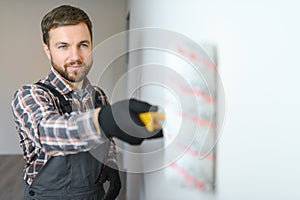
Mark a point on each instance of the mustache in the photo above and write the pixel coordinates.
(77, 62)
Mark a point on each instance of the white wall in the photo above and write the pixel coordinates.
(22, 58)
(258, 41)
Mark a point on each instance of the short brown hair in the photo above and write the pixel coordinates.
(62, 16)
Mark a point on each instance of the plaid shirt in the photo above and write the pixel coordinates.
(45, 131)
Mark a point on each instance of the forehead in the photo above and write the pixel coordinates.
(69, 33)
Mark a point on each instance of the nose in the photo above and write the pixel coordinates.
(75, 54)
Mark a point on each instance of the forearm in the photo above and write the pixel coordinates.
(69, 134)
(112, 153)
(95, 120)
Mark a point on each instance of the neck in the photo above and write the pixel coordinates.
(75, 85)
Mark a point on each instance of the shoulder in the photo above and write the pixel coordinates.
(29, 89)
(99, 91)
(100, 95)
(29, 93)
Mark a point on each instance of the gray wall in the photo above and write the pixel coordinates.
(22, 57)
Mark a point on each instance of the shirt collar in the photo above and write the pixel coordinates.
(55, 79)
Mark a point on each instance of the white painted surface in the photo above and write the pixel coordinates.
(258, 46)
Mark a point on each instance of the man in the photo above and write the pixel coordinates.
(57, 137)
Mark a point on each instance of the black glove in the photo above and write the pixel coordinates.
(121, 120)
(111, 175)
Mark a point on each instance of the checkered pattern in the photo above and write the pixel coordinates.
(45, 131)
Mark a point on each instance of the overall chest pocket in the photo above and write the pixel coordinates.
(85, 170)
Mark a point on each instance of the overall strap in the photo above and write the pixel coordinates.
(65, 104)
(97, 102)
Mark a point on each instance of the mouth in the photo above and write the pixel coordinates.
(74, 67)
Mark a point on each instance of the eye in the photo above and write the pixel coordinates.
(62, 47)
(84, 45)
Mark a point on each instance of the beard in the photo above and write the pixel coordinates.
(73, 76)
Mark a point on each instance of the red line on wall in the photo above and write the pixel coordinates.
(196, 119)
(200, 121)
(197, 92)
(190, 179)
(191, 90)
(191, 151)
(192, 55)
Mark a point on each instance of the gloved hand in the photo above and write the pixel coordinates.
(111, 175)
(121, 120)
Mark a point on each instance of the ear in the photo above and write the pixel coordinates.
(47, 51)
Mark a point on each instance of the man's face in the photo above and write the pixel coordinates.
(70, 51)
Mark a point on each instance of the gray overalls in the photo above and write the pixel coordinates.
(71, 177)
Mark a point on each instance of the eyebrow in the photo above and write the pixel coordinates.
(85, 41)
(59, 43)
(65, 43)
